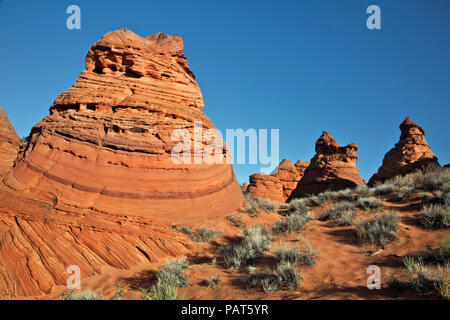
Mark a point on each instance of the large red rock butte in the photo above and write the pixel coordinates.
(96, 185)
(332, 168)
(410, 153)
(9, 143)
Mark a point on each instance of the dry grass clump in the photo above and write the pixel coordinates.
(380, 230)
(255, 241)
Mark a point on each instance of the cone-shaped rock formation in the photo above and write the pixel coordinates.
(332, 168)
(96, 184)
(409, 154)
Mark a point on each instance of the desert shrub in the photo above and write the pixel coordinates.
(337, 210)
(297, 206)
(315, 200)
(164, 292)
(403, 194)
(431, 178)
(346, 218)
(287, 275)
(255, 241)
(264, 279)
(435, 216)
(288, 253)
(363, 192)
(236, 221)
(379, 230)
(383, 188)
(369, 203)
(171, 273)
(198, 235)
(254, 205)
(398, 286)
(292, 223)
(81, 295)
(212, 282)
(440, 255)
(169, 279)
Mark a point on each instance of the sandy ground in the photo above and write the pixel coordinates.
(340, 271)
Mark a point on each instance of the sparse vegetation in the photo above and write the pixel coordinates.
(346, 218)
(380, 230)
(363, 192)
(435, 216)
(212, 282)
(403, 194)
(236, 221)
(169, 279)
(336, 211)
(369, 202)
(383, 188)
(285, 275)
(255, 241)
(296, 221)
(199, 235)
(255, 205)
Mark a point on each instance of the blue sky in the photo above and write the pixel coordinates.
(299, 66)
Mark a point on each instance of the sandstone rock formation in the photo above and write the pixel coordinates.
(265, 186)
(409, 154)
(289, 175)
(332, 168)
(96, 184)
(9, 143)
(301, 167)
(244, 187)
(286, 175)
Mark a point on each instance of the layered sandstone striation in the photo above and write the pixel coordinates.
(265, 186)
(96, 184)
(332, 168)
(9, 143)
(410, 153)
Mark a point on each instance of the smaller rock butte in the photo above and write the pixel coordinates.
(285, 175)
(332, 168)
(9, 143)
(410, 153)
(265, 186)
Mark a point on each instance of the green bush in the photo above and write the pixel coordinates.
(255, 241)
(379, 230)
(363, 192)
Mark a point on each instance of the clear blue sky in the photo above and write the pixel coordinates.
(300, 66)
